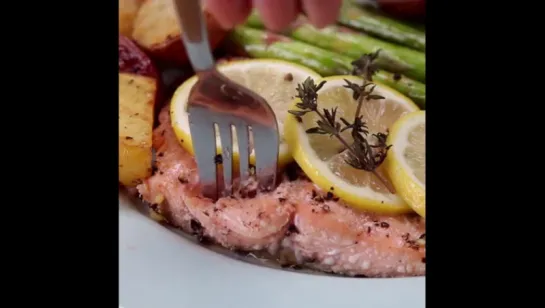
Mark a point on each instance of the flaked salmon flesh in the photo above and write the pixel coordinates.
(297, 218)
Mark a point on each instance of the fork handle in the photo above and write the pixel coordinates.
(194, 34)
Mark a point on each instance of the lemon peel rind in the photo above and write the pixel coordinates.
(403, 179)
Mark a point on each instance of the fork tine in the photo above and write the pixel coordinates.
(243, 151)
(266, 155)
(204, 144)
(226, 153)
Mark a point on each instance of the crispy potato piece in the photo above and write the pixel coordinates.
(133, 60)
(127, 13)
(156, 30)
(137, 95)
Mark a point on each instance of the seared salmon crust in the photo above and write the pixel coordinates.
(298, 219)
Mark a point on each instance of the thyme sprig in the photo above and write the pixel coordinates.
(362, 155)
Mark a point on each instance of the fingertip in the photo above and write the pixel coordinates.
(276, 14)
(322, 13)
(228, 13)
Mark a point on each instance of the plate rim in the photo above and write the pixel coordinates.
(167, 286)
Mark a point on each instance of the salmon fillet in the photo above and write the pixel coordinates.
(296, 219)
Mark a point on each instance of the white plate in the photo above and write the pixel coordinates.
(158, 268)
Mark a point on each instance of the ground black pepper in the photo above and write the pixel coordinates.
(397, 76)
(252, 193)
(313, 194)
(411, 243)
(195, 226)
(329, 195)
(422, 237)
(288, 77)
(368, 230)
(292, 229)
(281, 200)
(384, 225)
(154, 207)
(182, 180)
(218, 159)
(161, 154)
(129, 138)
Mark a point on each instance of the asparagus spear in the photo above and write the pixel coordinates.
(381, 26)
(394, 58)
(261, 44)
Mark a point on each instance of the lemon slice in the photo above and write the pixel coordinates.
(322, 157)
(274, 80)
(406, 162)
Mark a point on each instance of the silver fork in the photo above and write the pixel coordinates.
(216, 100)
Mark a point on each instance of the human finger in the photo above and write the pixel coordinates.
(228, 13)
(277, 14)
(321, 12)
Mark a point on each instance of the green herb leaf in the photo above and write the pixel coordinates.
(361, 154)
(315, 130)
(298, 113)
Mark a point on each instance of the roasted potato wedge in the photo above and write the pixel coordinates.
(138, 94)
(127, 13)
(136, 104)
(156, 30)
